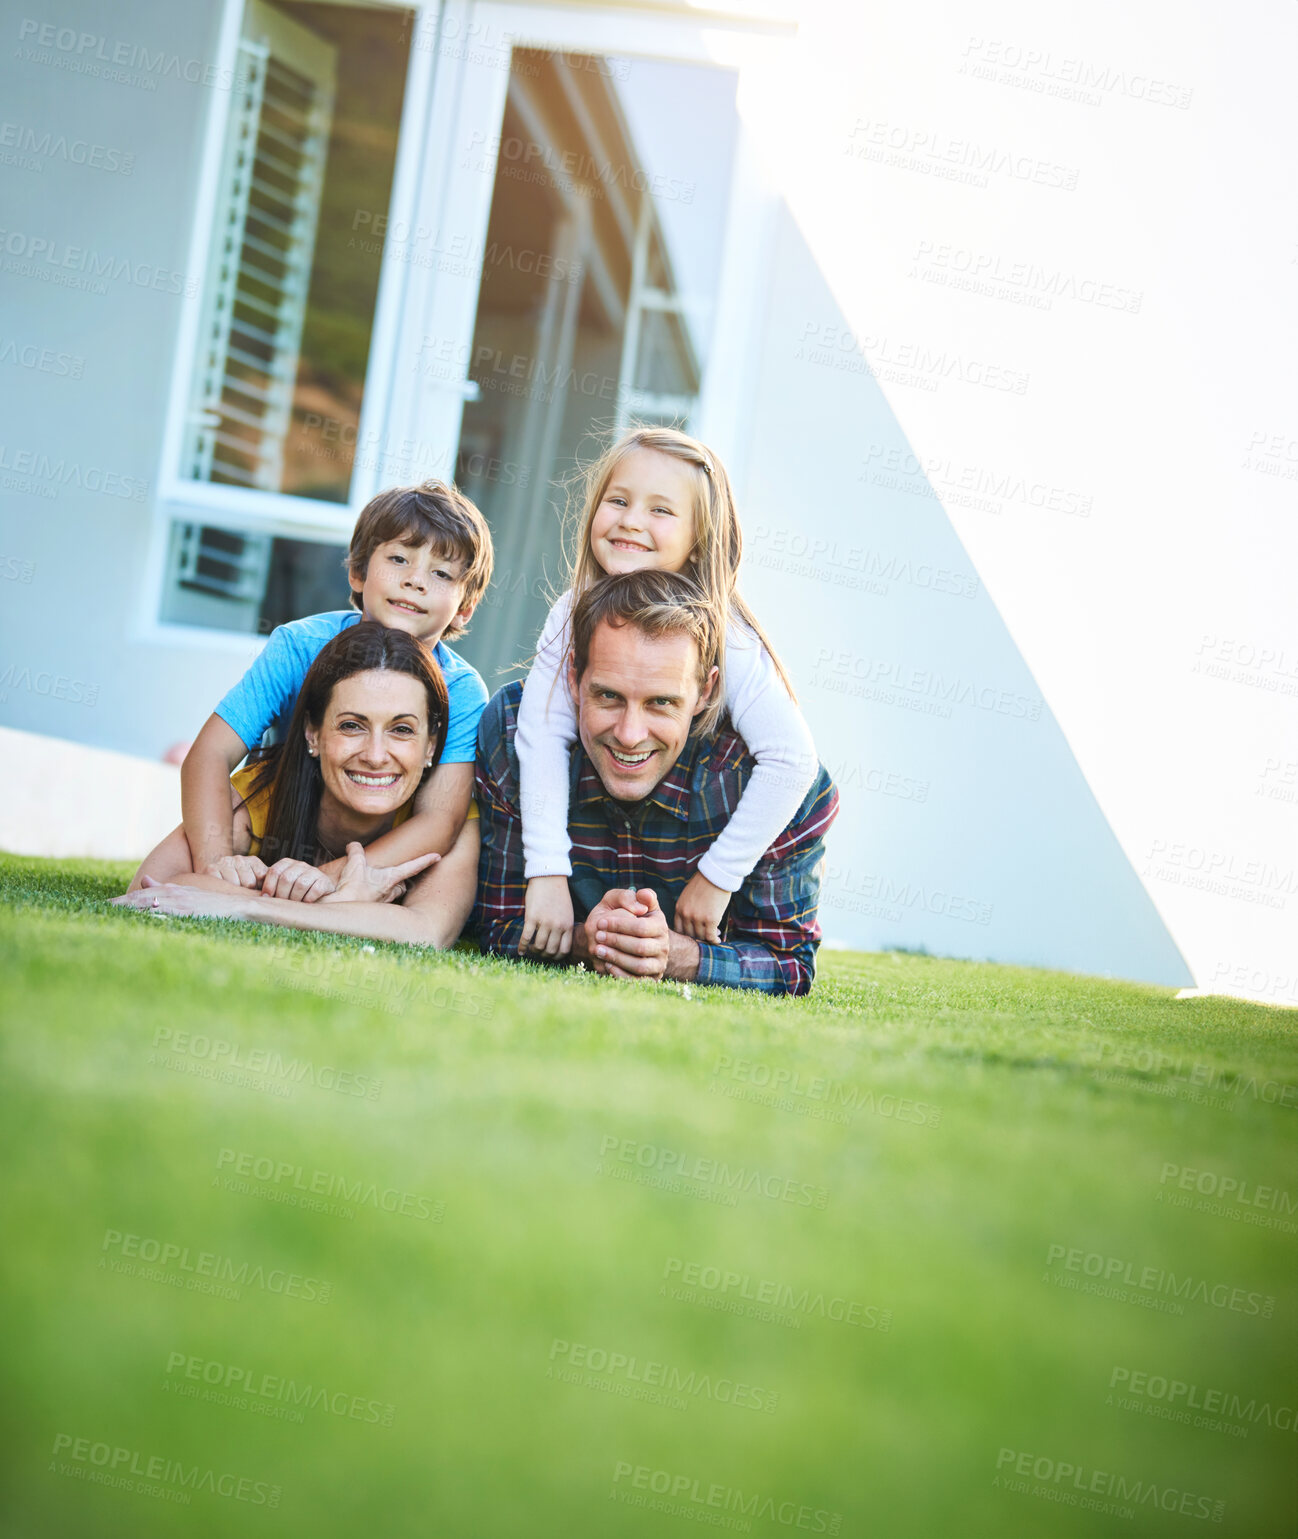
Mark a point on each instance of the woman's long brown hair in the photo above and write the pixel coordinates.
(290, 771)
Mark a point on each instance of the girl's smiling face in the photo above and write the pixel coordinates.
(645, 519)
(374, 742)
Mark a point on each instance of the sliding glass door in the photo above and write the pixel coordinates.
(600, 270)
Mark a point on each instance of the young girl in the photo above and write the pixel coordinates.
(659, 499)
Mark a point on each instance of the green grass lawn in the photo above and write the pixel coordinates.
(451, 1247)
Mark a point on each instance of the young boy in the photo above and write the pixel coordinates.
(420, 559)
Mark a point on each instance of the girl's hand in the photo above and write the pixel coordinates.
(700, 908)
(363, 883)
(239, 870)
(296, 880)
(547, 917)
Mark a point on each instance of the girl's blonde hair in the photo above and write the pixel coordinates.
(718, 540)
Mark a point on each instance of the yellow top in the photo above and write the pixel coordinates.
(259, 806)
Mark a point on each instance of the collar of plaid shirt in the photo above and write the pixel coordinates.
(671, 794)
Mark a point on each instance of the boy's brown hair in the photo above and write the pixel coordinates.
(432, 513)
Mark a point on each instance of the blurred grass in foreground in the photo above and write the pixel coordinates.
(479, 1170)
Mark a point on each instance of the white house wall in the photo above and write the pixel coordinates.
(74, 618)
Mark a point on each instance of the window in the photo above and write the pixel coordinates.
(245, 582)
(265, 238)
(292, 282)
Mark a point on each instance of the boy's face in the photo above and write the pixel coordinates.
(412, 588)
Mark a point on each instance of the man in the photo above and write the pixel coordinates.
(646, 799)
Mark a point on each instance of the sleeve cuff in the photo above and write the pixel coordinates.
(546, 868)
(719, 875)
(712, 963)
(238, 728)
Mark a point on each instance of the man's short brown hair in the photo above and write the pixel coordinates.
(433, 513)
(658, 604)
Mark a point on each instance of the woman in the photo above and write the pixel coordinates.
(368, 726)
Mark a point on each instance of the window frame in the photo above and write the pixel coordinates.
(445, 95)
(249, 510)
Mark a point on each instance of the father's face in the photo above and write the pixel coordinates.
(635, 703)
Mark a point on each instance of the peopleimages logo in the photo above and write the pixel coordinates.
(774, 1085)
(208, 1271)
(740, 1287)
(34, 471)
(1076, 1486)
(1232, 1189)
(228, 1057)
(933, 153)
(686, 1495)
(846, 672)
(1175, 1400)
(1174, 1072)
(324, 1183)
(986, 487)
(1116, 1272)
(32, 355)
(54, 686)
(110, 1465)
(94, 54)
(35, 254)
(1068, 77)
(582, 167)
(267, 1394)
(828, 561)
(675, 1162)
(964, 267)
(656, 1375)
(28, 141)
(840, 347)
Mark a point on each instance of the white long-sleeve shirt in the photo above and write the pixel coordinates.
(763, 714)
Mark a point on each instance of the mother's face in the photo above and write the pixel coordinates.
(374, 743)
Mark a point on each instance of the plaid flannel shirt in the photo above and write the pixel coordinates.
(769, 933)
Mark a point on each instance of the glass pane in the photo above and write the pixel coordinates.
(599, 286)
(665, 359)
(304, 578)
(235, 580)
(290, 295)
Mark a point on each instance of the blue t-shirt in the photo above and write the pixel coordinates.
(265, 696)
